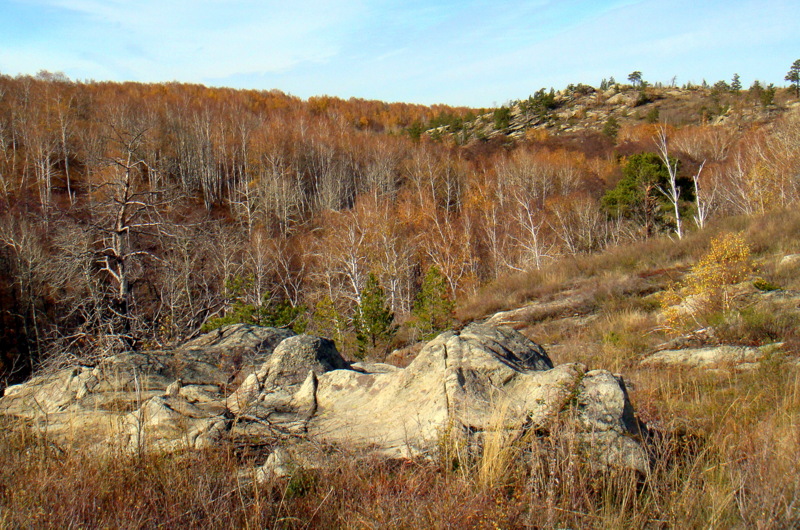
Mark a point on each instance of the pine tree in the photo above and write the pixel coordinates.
(611, 128)
(793, 76)
(281, 313)
(637, 194)
(768, 95)
(272, 312)
(736, 84)
(433, 308)
(373, 320)
(327, 321)
(635, 78)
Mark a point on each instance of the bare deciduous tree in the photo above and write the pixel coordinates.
(704, 198)
(30, 266)
(673, 191)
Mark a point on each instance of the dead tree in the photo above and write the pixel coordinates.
(126, 224)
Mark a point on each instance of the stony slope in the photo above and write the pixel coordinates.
(585, 109)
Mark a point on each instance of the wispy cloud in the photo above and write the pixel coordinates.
(471, 52)
(200, 39)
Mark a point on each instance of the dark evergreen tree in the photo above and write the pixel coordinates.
(637, 196)
(373, 320)
(793, 76)
(653, 115)
(736, 84)
(721, 86)
(768, 95)
(433, 308)
(502, 118)
(756, 90)
(272, 312)
(611, 128)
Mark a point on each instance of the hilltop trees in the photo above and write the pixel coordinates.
(635, 78)
(736, 84)
(793, 76)
(502, 117)
(540, 104)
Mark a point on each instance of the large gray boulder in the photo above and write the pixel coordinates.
(465, 384)
(280, 397)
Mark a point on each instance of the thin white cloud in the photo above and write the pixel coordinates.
(199, 39)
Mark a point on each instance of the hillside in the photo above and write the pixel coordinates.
(583, 109)
(140, 224)
(137, 214)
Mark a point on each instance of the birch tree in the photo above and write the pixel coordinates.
(673, 191)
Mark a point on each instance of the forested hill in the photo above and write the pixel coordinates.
(135, 215)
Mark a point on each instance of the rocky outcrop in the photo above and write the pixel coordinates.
(568, 304)
(722, 356)
(465, 384)
(582, 109)
(790, 261)
(165, 400)
(702, 349)
(299, 388)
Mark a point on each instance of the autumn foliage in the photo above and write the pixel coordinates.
(128, 210)
(708, 289)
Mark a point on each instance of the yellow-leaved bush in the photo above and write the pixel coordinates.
(707, 289)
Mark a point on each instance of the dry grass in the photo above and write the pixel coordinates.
(768, 235)
(723, 455)
(725, 443)
(746, 471)
(499, 452)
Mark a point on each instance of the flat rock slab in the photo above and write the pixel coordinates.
(711, 357)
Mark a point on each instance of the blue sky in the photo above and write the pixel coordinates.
(470, 52)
